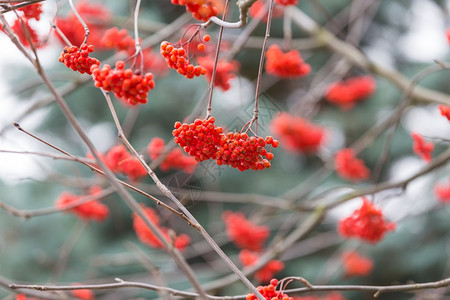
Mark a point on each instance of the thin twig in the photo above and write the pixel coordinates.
(86, 28)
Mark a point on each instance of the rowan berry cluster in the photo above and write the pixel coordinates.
(285, 65)
(203, 140)
(244, 233)
(349, 167)
(200, 9)
(176, 58)
(356, 264)
(119, 160)
(269, 292)
(422, 148)
(175, 159)
(264, 274)
(199, 139)
(243, 152)
(146, 236)
(113, 38)
(91, 210)
(442, 192)
(346, 93)
(32, 11)
(95, 15)
(224, 71)
(445, 111)
(26, 33)
(286, 2)
(366, 223)
(126, 85)
(78, 59)
(297, 134)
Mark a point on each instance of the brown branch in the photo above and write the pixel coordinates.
(378, 289)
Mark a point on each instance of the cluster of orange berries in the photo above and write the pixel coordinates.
(224, 71)
(286, 2)
(91, 210)
(78, 59)
(297, 135)
(203, 140)
(285, 65)
(349, 167)
(125, 84)
(32, 11)
(243, 152)
(366, 223)
(200, 9)
(119, 160)
(269, 292)
(146, 236)
(422, 148)
(176, 58)
(347, 93)
(198, 139)
(114, 38)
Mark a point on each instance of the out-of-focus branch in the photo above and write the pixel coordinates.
(358, 59)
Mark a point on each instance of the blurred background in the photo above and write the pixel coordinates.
(58, 248)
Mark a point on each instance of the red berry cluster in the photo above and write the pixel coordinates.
(78, 59)
(203, 140)
(366, 223)
(176, 58)
(198, 139)
(256, 8)
(224, 71)
(346, 93)
(92, 210)
(248, 258)
(146, 236)
(349, 167)
(200, 9)
(442, 192)
(286, 2)
(175, 159)
(95, 15)
(133, 88)
(32, 11)
(243, 152)
(119, 160)
(355, 264)
(445, 111)
(297, 134)
(285, 65)
(23, 30)
(269, 292)
(113, 38)
(421, 147)
(244, 233)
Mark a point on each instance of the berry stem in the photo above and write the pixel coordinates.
(86, 28)
(216, 59)
(61, 34)
(260, 70)
(244, 6)
(137, 43)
